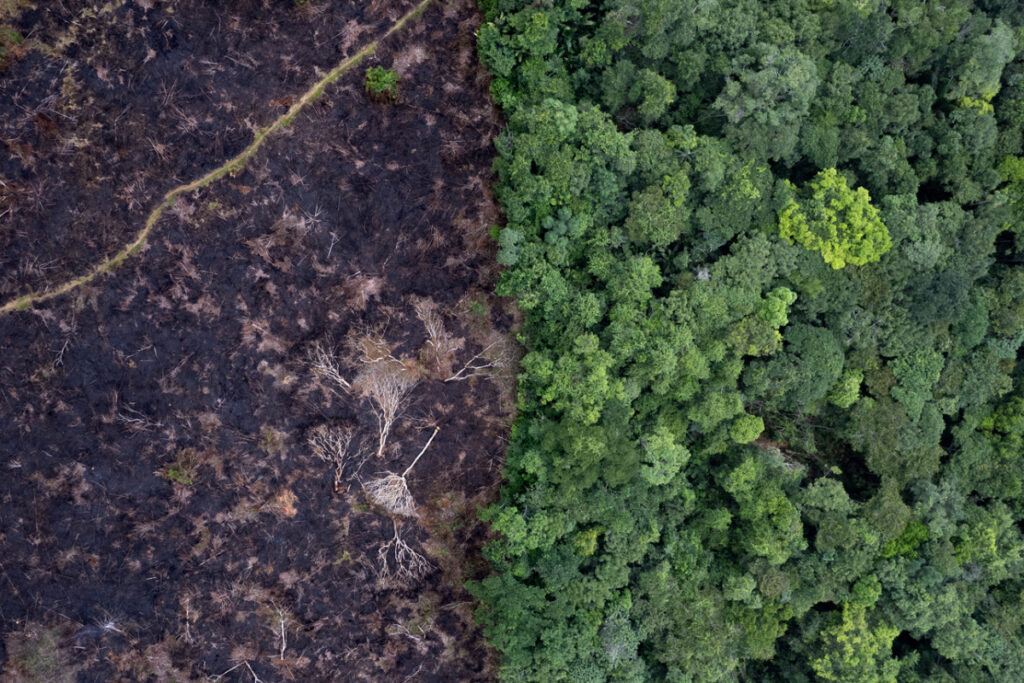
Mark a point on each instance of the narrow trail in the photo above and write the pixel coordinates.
(232, 165)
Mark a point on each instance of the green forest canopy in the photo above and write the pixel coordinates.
(772, 411)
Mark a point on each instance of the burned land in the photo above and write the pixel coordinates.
(188, 440)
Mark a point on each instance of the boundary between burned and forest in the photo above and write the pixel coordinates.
(232, 166)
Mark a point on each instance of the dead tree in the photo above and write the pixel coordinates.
(331, 446)
(479, 363)
(325, 366)
(438, 353)
(387, 382)
(496, 360)
(391, 491)
(397, 561)
(371, 347)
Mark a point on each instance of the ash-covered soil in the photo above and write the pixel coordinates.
(163, 515)
(105, 107)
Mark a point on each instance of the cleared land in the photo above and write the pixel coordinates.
(165, 512)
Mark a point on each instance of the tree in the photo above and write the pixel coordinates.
(771, 527)
(916, 374)
(391, 491)
(837, 221)
(382, 84)
(663, 458)
(801, 375)
(577, 383)
(678, 239)
(852, 650)
(655, 218)
(746, 428)
(654, 94)
(975, 80)
(765, 102)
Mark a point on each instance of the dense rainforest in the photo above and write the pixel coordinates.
(771, 414)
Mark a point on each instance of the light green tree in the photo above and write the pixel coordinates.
(854, 651)
(836, 220)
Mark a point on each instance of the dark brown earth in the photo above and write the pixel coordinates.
(161, 514)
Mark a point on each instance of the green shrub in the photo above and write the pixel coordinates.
(382, 84)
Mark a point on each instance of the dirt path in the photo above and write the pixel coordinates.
(231, 166)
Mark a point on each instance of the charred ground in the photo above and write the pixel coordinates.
(163, 515)
(103, 108)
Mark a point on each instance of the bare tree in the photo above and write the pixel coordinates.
(331, 446)
(498, 356)
(371, 347)
(391, 491)
(280, 628)
(387, 382)
(325, 366)
(474, 366)
(439, 351)
(399, 561)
